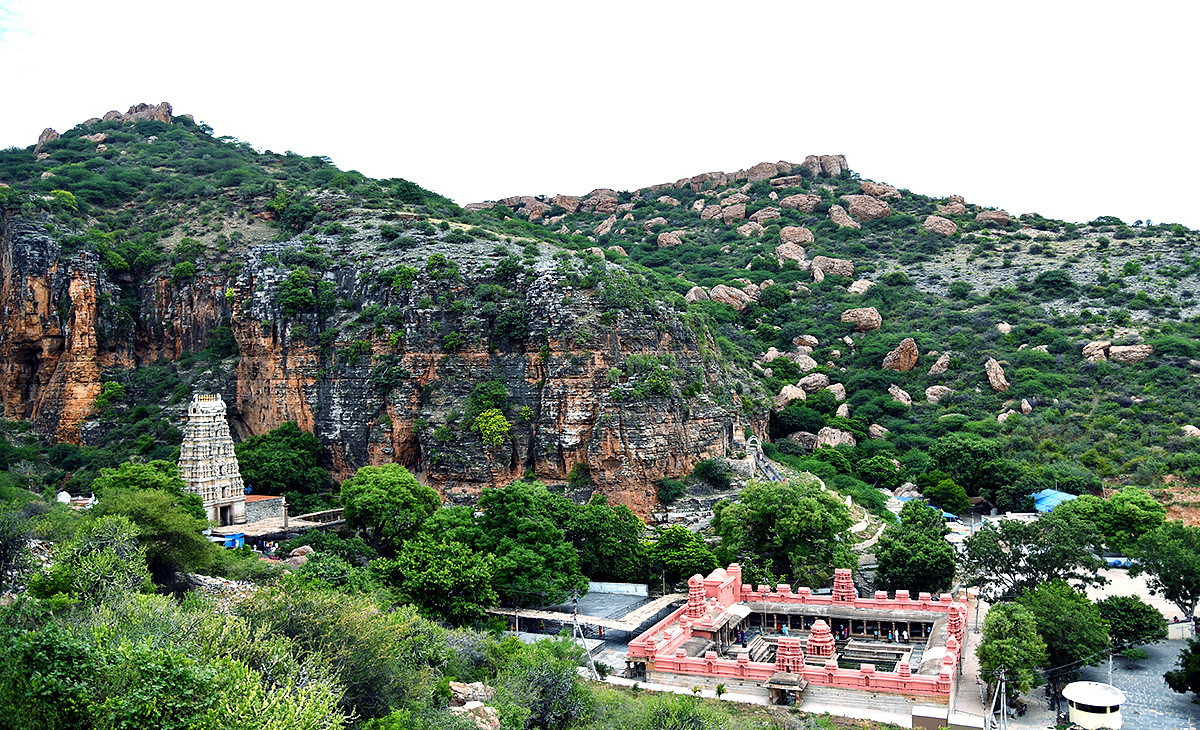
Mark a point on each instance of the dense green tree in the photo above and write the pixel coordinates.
(286, 461)
(1132, 621)
(1170, 559)
(608, 540)
(387, 504)
(1004, 559)
(448, 580)
(677, 553)
(914, 555)
(1011, 640)
(104, 559)
(880, 471)
(1070, 624)
(1186, 677)
(791, 528)
(963, 456)
(949, 496)
(1133, 513)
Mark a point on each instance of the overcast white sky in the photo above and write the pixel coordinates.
(1069, 109)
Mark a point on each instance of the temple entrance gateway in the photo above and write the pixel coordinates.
(208, 464)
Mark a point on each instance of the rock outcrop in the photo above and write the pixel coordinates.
(935, 393)
(995, 375)
(829, 436)
(866, 208)
(1130, 353)
(879, 190)
(838, 215)
(864, 319)
(903, 358)
(48, 135)
(998, 217)
(942, 364)
(939, 225)
(899, 394)
(801, 202)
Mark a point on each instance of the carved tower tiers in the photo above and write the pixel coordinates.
(207, 463)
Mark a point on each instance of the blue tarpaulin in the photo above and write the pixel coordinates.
(1048, 499)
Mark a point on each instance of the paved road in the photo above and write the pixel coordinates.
(1151, 705)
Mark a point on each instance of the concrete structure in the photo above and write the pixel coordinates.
(787, 645)
(1094, 704)
(207, 463)
(261, 507)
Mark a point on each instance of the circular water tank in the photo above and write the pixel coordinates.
(1094, 704)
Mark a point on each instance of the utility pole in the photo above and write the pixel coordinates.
(1110, 653)
(578, 631)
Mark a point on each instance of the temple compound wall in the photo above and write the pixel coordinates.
(886, 653)
(207, 463)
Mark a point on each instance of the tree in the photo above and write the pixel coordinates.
(15, 557)
(1132, 621)
(608, 540)
(534, 562)
(791, 528)
(1187, 677)
(677, 553)
(1133, 513)
(949, 496)
(880, 471)
(284, 461)
(913, 555)
(963, 457)
(1070, 624)
(387, 504)
(1006, 558)
(447, 579)
(1010, 640)
(1170, 558)
(492, 427)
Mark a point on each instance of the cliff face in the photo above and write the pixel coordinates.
(393, 389)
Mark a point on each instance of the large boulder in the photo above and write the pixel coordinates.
(605, 226)
(900, 394)
(47, 135)
(837, 267)
(1096, 351)
(461, 693)
(1130, 353)
(696, 294)
(838, 215)
(668, 200)
(735, 298)
(801, 202)
(750, 228)
(860, 287)
(484, 716)
(731, 213)
(798, 235)
(879, 190)
(935, 393)
(806, 439)
(942, 364)
(710, 212)
(1191, 432)
(838, 390)
(787, 181)
(762, 171)
(805, 341)
(802, 360)
(655, 221)
(669, 238)
(787, 394)
(764, 215)
(953, 209)
(941, 226)
(790, 252)
(569, 203)
(995, 375)
(830, 436)
(903, 358)
(876, 431)
(999, 217)
(618, 249)
(867, 208)
(737, 198)
(864, 319)
(813, 383)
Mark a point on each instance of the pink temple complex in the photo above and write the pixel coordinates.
(881, 652)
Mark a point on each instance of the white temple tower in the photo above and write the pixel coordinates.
(207, 462)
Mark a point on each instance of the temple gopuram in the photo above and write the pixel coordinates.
(207, 463)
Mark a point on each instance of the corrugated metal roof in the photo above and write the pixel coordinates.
(1047, 499)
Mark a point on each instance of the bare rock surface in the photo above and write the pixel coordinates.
(696, 294)
(838, 390)
(900, 394)
(1130, 353)
(838, 215)
(942, 364)
(789, 252)
(764, 215)
(829, 436)
(935, 393)
(813, 383)
(876, 431)
(787, 394)
(867, 208)
(939, 225)
(801, 202)
(995, 375)
(860, 287)
(732, 213)
(710, 212)
(864, 319)
(903, 358)
(669, 238)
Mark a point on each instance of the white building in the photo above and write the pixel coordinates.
(207, 463)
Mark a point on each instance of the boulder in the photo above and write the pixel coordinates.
(837, 267)
(942, 364)
(750, 228)
(843, 411)
(569, 203)
(864, 319)
(830, 436)
(764, 215)
(655, 221)
(838, 390)
(867, 208)
(1130, 353)
(806, 439)
(731, 213)
(668, 200)
(813, 383)
(995, 375)
(806, 341)
(787, 181)
(1004, 328)
(302, 550)
(47, 135)
(801, 202)
(752, 291)
(1096, 351)
(879, 190)
(907, 489)
(802, 360)
(789, 252)
(98, 137)
(941, 226)
(597, 251)
(957, 199)
(762, 171)
(796, 235)
(484, 716)
(1190, 431)
(876, 431)
(737, 198)
(838, 215)
(999, 217)
(605, 226)
(618, 249)
(903, 358)
(953, 209)
(935, 393)
(1026, 408)
(860, 287)
(735, 298)
(696, 294)
(669, 238)
(900, 394)
(461, 693)
(787, 394)
(698, 205)
(1003, 417)
(710, 212)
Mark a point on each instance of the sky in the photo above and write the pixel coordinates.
(1068, 109)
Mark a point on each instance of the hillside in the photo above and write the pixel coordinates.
(629, 332)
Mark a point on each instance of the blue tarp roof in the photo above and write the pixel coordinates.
(1048, 499)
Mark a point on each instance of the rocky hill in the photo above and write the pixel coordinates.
(623, 336)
